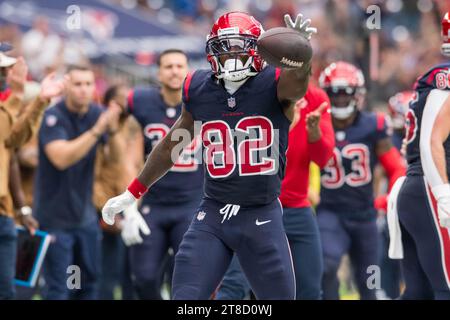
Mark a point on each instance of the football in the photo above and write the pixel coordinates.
(284, 47)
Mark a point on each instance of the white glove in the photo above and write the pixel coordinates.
(132, 224)
(301, 26)
(116, 205)
(442, 195)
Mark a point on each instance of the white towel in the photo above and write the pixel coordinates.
(395, 234)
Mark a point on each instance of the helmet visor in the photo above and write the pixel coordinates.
(239, 44)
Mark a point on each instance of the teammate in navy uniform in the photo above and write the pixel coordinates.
(398, 106)
(169, 206)
(346, 213)
(244, 108)
(423, 202)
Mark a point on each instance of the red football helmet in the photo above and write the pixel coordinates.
(398, 107)
(344, 84)
(233, 38)
(446, 34)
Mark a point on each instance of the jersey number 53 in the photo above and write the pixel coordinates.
(334, 175)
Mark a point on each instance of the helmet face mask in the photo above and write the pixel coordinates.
(445, 32)
(233, 55)
(230, 44)
(344, 101)
(231, 47)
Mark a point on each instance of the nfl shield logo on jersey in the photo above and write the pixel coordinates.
(51, 120)
(171, 112)
(340, 135)
(201, 215)
(231, 102)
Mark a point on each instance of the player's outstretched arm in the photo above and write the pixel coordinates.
(434, 131)
(293, 82)
(160, 160)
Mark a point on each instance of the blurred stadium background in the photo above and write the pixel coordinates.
(122, 38)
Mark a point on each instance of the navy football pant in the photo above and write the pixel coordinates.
(341, 235)
(426, 263)
(168, 225)
(81, 247)
(255, 234)
(304, 240)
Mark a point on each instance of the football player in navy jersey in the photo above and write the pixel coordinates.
(423, 202)
(167, 209)
(346, 213)
(244, 107)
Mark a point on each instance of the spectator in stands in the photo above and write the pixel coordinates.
(70, 133)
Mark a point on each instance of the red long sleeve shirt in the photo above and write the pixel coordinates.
(294, 188)
(4, 95)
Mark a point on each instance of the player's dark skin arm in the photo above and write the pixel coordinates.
(292, 86)
(160, 159)
(15, 184)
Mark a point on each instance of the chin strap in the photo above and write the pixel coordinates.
(239, 71)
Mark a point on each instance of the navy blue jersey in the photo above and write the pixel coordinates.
(63, 198)
(184, 181)
(436, 78)
(397, 140)
(346, 181)
(245, 136)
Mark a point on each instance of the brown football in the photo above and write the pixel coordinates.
(284, 47)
